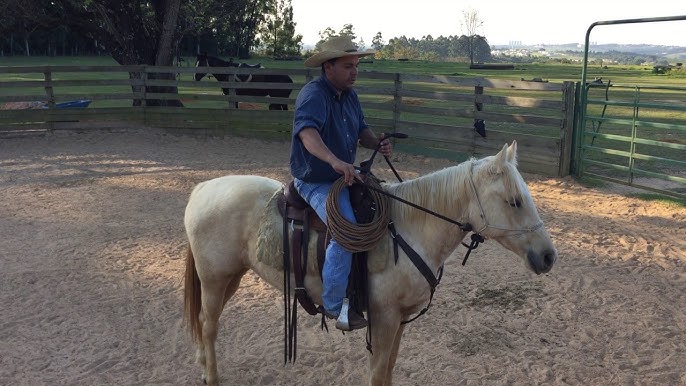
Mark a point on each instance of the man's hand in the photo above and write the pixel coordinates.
(385, 147)
(347, 170)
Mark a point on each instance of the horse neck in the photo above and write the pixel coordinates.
(445, 192)
(216, 62)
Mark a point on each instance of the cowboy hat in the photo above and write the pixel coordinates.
(336, 47)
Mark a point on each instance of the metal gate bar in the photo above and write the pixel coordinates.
(636, 148)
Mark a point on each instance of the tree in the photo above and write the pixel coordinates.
(481, 50)
(278, 32)
(27, 17)
(400, 48)
(347, 30)
(471, 24)
(147, 31)
(134, 32)
(377, 42)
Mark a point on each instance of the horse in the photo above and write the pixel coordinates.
(233, 225)
(211, 61)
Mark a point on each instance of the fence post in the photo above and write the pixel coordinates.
(231, 78)
(567, 129)
(397, 100)
(479, 124)
(49, 93)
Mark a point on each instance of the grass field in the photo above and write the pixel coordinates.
(553, 72)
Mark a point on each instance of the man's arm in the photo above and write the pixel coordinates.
(313, 143)
(369, 140)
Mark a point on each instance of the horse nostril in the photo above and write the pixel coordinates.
(549, 259)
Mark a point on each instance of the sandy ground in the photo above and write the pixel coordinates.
(92, 261)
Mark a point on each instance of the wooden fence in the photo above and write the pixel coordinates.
(446, 116)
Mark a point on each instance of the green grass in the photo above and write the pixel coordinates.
(670, 202)
(553, 72)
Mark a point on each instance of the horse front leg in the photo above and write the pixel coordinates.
(394, 354)
(386, 331)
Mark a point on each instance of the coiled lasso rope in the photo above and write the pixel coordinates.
(357, 237)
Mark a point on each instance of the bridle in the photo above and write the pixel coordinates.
(517, 231)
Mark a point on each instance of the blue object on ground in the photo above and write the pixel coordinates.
(72, 104)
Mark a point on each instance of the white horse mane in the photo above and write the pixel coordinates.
(442, 190)
(434, 191)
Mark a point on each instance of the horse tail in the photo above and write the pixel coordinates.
(192, 292)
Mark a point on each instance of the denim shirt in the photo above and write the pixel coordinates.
(339, 122)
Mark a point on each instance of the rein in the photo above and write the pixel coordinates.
(477, 238)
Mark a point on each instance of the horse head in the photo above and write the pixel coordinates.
(502, 209)
(204, 60)
(201, 60)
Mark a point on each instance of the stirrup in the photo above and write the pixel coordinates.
(344, 323)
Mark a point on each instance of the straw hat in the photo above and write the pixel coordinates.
(336, 47)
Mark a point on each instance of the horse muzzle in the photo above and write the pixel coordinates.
(541, 262)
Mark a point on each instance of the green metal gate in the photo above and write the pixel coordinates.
(631, 134)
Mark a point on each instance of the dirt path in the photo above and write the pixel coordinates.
(92, 260)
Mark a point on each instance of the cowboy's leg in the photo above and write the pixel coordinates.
(338, 260)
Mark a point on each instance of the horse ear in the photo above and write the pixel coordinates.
(502, 156)
(499, 160)
(512, 152)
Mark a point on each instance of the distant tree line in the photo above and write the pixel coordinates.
(160, 31)
(625, 58)
(458, 48)
(147, 31)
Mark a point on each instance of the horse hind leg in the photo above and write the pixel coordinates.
(214, 296)
(231, 289)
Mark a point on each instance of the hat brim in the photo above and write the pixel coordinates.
(317, 59)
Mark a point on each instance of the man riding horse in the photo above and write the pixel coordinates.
(328, 125)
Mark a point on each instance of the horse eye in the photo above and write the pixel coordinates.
(516, 203)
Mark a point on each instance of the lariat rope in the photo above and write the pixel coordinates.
(350, 235)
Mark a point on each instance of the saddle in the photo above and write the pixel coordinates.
(296, 211)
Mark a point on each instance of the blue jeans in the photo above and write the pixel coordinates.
(338, 260)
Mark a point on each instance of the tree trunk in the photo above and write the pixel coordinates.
(165, 54)
(26, 45)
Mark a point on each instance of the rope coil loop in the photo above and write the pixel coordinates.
(352, 236)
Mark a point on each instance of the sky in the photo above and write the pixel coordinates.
(527, 21)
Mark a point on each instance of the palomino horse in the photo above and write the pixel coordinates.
(211, 61)
(233, 225)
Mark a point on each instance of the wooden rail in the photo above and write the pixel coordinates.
(438, 112)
